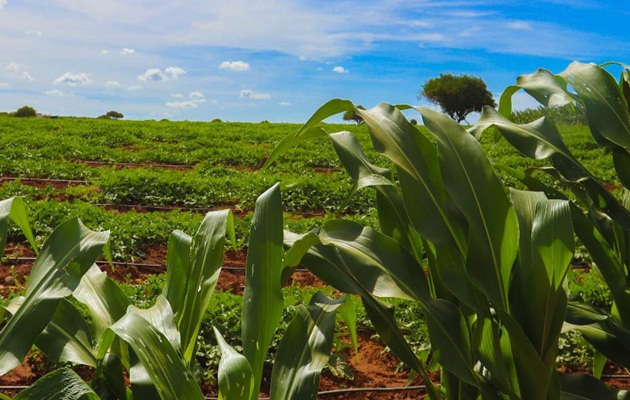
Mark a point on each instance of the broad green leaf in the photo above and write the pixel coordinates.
(609, 338)
(585, 387)
(236, 379)
(310, 128)
(479, 194)
(621, 159)
(304, 350)
(14, 210)
(64, 258)
(160, 315)
(103, 297)
(61, 384)
(348, 312)
(193, 273)
(606, 107)
(494, 350)
(68, 337)
(163, 364)
(262, 299)
(328, 265)
(540, 140)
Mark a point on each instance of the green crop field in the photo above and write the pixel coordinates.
(459, 244)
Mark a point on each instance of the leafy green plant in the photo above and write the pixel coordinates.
(488, 270)
(601, 220)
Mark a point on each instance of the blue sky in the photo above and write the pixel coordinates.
(279, 60)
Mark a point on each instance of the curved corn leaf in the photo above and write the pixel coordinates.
(262, 299)
(479, 194)
(14, 210)
(68, 337)
(310, 128)
(103, 297)
(606, 107)
(160, 315)
(62, 384)
(304, 350)
(328, 265)
(586, 387)
(236, 379)
(64, 258)
(162, 363)
(192, 274)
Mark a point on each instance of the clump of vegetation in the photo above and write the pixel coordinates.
(112, 115)
(457, 95)
(568, 114)
(25, 112)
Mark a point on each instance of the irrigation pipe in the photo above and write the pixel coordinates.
(134, 264)
(354, 390)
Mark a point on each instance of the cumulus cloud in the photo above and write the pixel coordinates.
(174, 72)
(284, 104)
(340, 70)
(238, 66)
(18, 71)
(156, 75)
(194, 99)
(126, 51)
(73, 79)
(27, 77)
(2, 4)
(112, 84)
(105, 51)
(250, 94)
(152, 75)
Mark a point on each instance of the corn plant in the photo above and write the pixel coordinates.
(488, 269)
(601, 219)
(156, 346)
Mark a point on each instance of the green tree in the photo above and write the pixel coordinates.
(114, 115)
(25, 111)
(458, 96)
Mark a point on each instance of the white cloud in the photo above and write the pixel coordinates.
(197, 97)
(4, 85)
(34, 32)
(238, 66)
(73, 79)
(174, 72)
(58, 93)
(13, 66)
(250, 94)
(284, 104)
(182, 104)
(340, 70)
(156, 75)
(152, 75)
(194, 99)
(112, 84)
(519, 26)
(2, 4)
(134, 88)
(126, 51)
(104, 51)
(27, 77)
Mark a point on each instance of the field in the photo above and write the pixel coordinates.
(143, 180)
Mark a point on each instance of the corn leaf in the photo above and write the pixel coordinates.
(236, 379)
(61, 384)
(304, 350)
(64, 258)
(328, 265)
(262, 299)
(471, 182)
(68, 337)
(164, 366)
(585, 387)
(193, 270)
(14, 210)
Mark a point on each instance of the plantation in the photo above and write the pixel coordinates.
(491, 262)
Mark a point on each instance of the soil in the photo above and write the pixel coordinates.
(374, 368)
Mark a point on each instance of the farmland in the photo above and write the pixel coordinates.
(143, 180)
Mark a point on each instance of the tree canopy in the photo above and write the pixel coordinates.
(457, 95)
